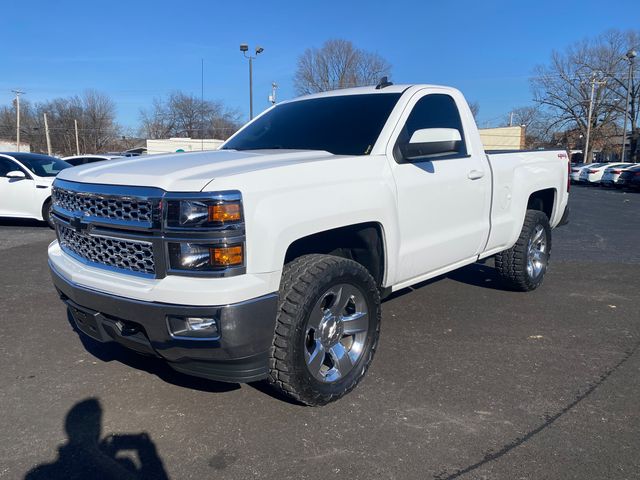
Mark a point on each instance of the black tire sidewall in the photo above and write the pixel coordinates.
(539, 218)
(46, 213)
(343, 271)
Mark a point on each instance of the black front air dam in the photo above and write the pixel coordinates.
(239, 354)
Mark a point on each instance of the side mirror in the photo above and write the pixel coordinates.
(432, 142)
(16, 174)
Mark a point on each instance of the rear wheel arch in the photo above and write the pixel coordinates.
(544, 201)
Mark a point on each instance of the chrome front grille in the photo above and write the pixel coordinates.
(126, 228)
(133, 255)
(122, 208)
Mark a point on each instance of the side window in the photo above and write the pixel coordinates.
(7, 166)
(434, 111)
(75, 161)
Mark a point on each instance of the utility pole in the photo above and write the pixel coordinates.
(586, 144)
(46, 131)
(631, 54)
(202, 104)
(18, 93)
(511, 119)
(77, 141)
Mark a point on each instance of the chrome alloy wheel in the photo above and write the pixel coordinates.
(537, 255)
(336, 332)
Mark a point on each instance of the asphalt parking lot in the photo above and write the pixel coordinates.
(470, 381)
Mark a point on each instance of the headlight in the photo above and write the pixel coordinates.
(199, 257)
(204, 233)
(203, 213)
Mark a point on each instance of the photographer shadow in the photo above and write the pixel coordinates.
(118, 457)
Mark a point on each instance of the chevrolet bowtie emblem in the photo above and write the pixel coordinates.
(76, 224)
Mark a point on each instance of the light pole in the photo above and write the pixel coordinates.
(244, 48)
(593, 87)
(18, 93)
(631, 54)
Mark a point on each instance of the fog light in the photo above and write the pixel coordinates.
(193, 327)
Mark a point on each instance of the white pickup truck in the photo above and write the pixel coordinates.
(268, 258)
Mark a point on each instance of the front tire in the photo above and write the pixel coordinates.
(327, 328)
(524, 265)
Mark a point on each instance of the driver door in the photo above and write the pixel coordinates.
(443, 199)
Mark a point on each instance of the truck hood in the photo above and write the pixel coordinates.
(186, 172)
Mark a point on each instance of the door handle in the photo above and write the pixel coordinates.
(475, 174)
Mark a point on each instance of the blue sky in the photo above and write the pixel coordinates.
(137, 50)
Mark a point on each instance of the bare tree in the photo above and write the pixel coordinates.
(188, 116)
(97, 121)
(625, 82)
(474, 106)
(156, 122)
(94, 112)
(563, 87)
(537, 123)
(338, 64)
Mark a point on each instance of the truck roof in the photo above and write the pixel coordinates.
(366, 90)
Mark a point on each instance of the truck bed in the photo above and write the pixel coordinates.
(517, 174)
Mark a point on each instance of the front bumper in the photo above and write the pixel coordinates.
(238, 354)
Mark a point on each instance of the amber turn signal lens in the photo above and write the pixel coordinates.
(225, 212)
(226, 256)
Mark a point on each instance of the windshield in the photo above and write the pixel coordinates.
(41, 165)
(342, 125)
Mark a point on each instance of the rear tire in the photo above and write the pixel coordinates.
(47, 213)
(327, 328)
(524, 265)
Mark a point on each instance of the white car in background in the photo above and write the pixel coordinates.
(593, 173)
(576, 168)
(25, 184)
(76, 160)
(611, 174)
